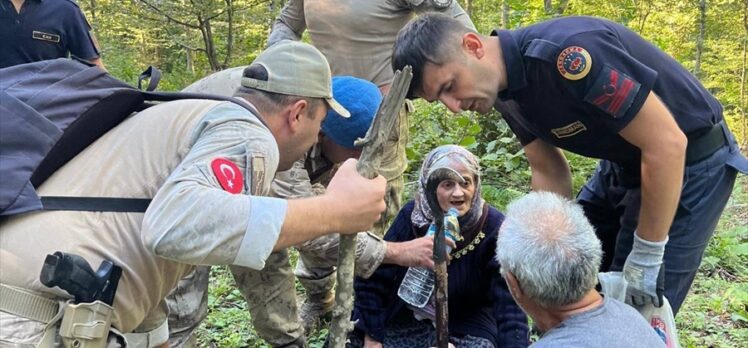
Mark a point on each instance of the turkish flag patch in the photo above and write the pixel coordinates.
(613, 92)
(228, 175)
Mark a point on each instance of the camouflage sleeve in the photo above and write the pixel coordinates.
(448, 7)
(293, 183)
(290, 24)
(204, 213)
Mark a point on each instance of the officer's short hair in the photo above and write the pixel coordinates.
(550, 247)
(270, 101)
(427, 39)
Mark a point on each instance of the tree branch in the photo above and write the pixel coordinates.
(169, 17)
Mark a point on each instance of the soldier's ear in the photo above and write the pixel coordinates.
(295, 112)
(472, 44)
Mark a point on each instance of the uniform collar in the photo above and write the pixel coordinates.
(515, 67)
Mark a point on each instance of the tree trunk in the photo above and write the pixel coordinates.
(505, 14)
(188, 58)
(230, 34)
(561, 7)
(210, 49)
(469, 8)
(700, 39)
(742, 79)
(548, 6)
(744, 144)
(93, 12)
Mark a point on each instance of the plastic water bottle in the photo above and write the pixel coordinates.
(418, 284)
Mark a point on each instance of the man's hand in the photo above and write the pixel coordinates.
(355, 201)
(418, 252)
(644, 272)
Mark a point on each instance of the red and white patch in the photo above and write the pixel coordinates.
(613, 92)
(228, 175)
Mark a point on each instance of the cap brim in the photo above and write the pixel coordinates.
(338, 108)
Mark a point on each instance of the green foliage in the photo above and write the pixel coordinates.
(715, 314)
(228, 323)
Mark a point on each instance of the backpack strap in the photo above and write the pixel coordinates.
(134, 205)
(154, 77)
(119, 205)
(170, 96)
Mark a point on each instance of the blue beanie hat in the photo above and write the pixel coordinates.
(362, 99)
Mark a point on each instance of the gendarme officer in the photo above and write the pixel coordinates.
(596, 88)
(34, 30)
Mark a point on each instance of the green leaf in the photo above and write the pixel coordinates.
(474, 129)
(463, 121)
(468, 141)
(739, 316)
(490, 146)
(740, 249)
(489, 157)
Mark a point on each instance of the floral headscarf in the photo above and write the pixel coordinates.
(455, 157)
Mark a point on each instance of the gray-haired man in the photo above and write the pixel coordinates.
(550, 256)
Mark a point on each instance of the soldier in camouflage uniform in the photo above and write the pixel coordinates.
(270, 293)
(207, 164)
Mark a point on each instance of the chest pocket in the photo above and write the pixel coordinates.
(543, 50)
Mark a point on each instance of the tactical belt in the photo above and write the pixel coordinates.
(24, 304)
(706, 143)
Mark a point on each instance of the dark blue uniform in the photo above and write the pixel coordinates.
(43, 29)
(575, 83)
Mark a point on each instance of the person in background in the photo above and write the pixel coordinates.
(34, 30)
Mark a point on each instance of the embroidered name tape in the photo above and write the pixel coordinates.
(39, 35)
(569, 130)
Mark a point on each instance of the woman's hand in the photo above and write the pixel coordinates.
(371, 343)
(418, 252)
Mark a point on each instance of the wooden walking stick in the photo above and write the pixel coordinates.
(385, 123)
(435, 177)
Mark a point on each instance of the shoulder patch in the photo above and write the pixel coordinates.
(613, 92)
(574, 63)
(228, 175)
(257, 165)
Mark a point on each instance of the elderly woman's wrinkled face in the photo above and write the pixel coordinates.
(452, 194)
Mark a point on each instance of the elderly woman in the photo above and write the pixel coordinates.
(482, 312)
